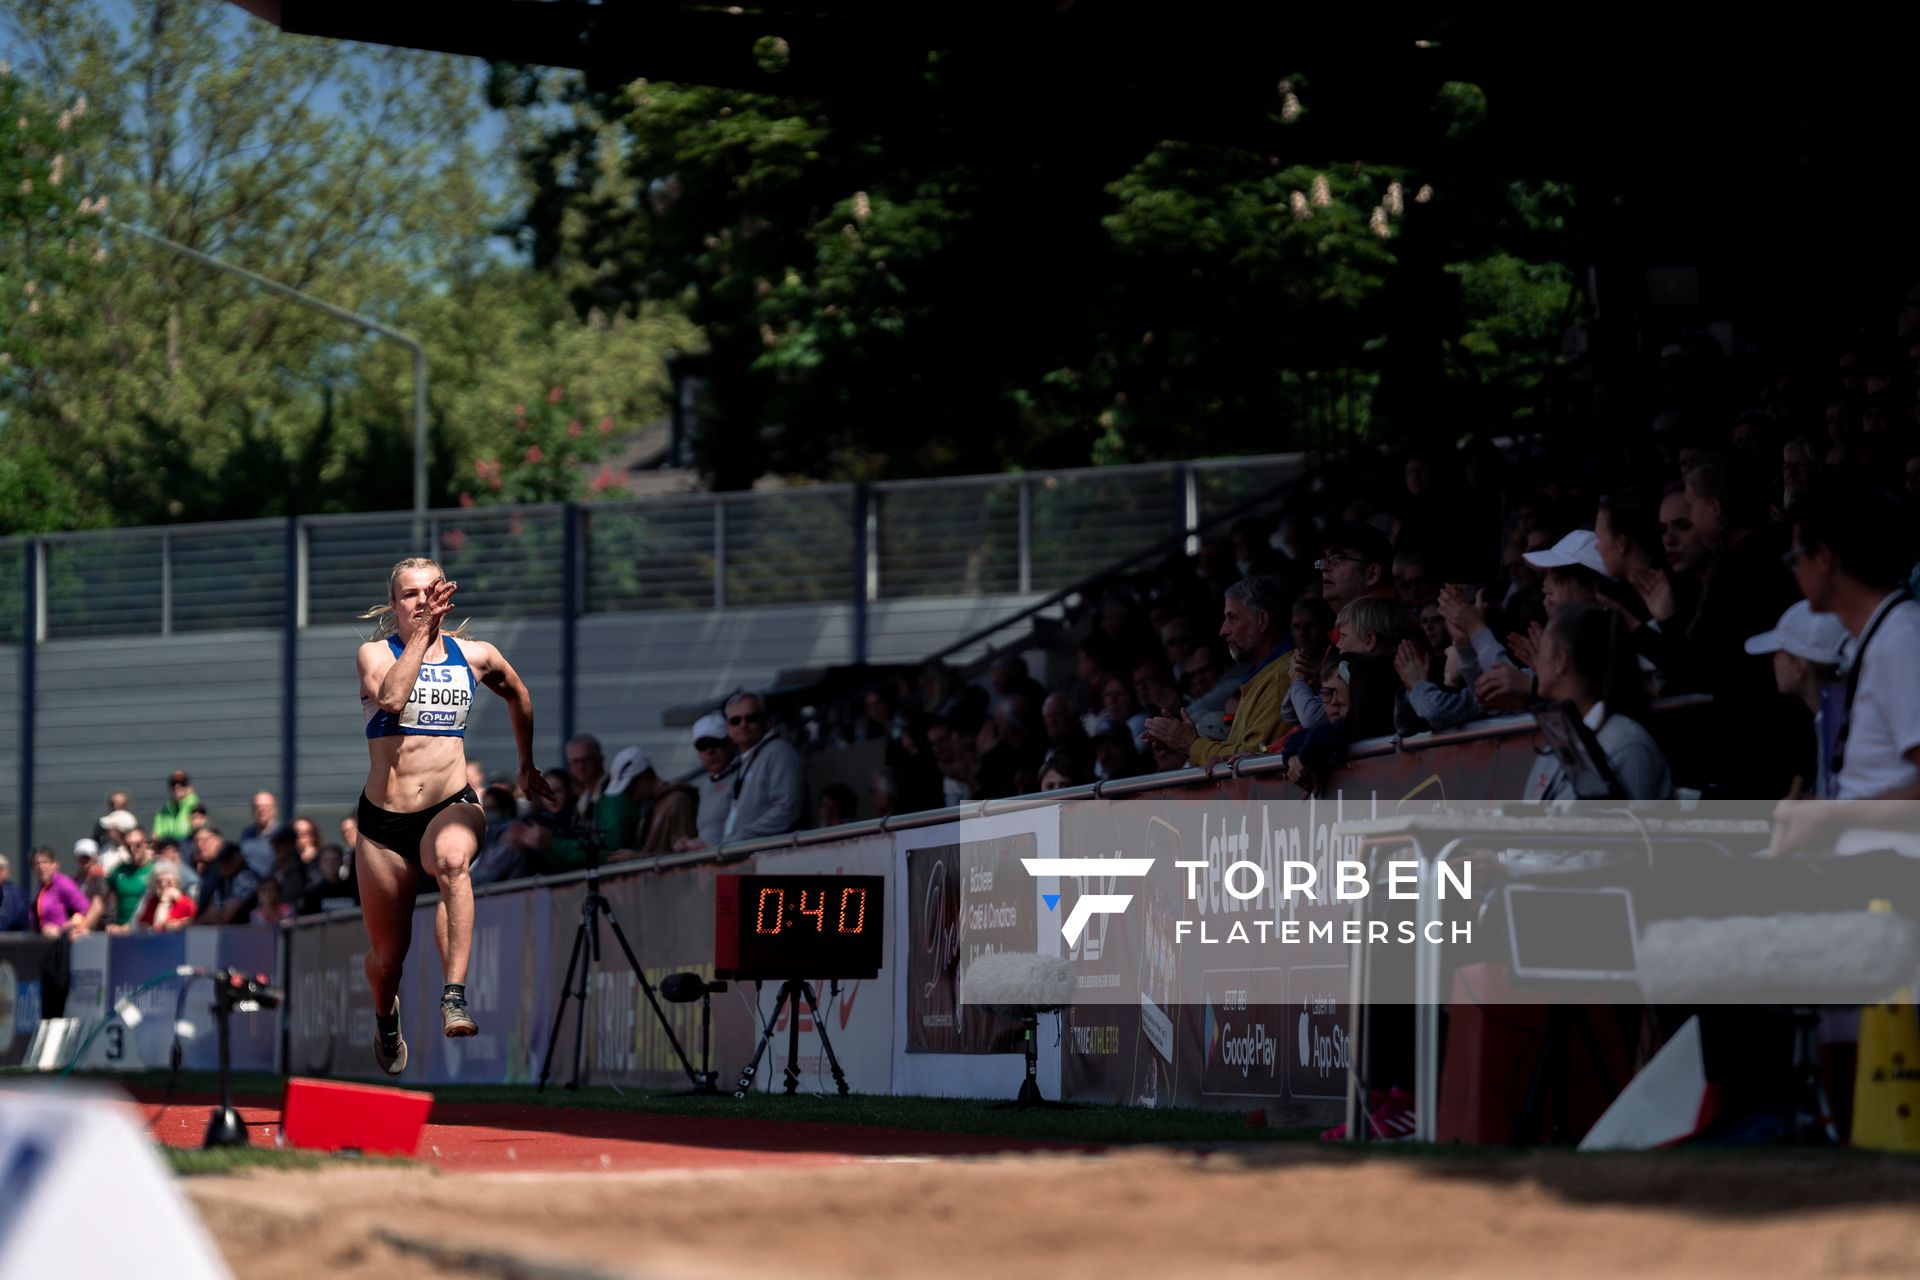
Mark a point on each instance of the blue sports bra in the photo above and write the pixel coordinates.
(437, 708)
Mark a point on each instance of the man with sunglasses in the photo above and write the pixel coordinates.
(770, 785)
(719, 758)
(127, 882)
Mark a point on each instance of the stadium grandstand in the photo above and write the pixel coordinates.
(1161, 836)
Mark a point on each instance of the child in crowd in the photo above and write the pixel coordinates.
(1807, 649)
(271, 906)
(1355, 701)
(1369, 628)
(1444, 704)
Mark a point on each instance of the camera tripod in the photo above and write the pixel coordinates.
(586, 954)
(791, 992)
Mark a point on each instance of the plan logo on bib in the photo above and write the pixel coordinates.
(1087, 905)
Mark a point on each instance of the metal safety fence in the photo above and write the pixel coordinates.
(819, 544)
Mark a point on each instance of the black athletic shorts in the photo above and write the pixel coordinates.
(402, 832)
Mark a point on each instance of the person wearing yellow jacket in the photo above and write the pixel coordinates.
(1256, 629)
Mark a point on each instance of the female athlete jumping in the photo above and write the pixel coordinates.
(418, 817)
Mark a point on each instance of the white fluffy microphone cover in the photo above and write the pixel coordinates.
(1849, 957)
(1018, 980)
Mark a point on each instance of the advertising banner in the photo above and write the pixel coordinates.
(1168, 1011)
(668, 919)
(24, 959)
(860, 1020)
(103, 970)
(961, 890)
(133, 960)
(251, 949)
(964, 899)
(1205, 936)
(1123, 1045)
(89, 999)
(328, 1014)
(1213, 1019)
(507, 971)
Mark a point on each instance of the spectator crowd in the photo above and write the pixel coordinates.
(181, 870)
(1734, 525)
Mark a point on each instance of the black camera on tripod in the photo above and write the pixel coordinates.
(592, 843)
(590, 839)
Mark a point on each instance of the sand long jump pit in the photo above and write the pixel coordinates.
(540, 1191)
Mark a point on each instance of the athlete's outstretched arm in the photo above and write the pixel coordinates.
(498, 675)
(388, 680)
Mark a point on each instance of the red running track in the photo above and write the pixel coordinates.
(493, 1137)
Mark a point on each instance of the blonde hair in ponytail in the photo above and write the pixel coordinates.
(382, 614)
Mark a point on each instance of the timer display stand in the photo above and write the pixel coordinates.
(792, 991)
(758, 938)
(586, 954)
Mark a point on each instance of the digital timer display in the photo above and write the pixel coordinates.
(804, 926)
(770, 915)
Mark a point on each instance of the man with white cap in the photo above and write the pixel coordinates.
(1807, 649)
(606, 812)
(1575, 569)
(631, 778)
(720, 760)
(112, 826)
(661, 810)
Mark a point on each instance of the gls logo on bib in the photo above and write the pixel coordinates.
(440, 699)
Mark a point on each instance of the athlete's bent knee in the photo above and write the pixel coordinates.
(449, 866)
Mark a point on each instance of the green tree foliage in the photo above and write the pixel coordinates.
(41, 254)
(503, 339)
(157, 389)
(1516, 311)
(750, 211)
(1240, 271)
(887, 300)
(539, 460)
